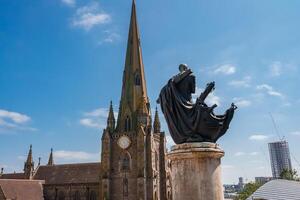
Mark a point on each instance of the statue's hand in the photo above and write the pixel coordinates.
(233, 106)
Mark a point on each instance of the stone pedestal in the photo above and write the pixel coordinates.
(196, 171)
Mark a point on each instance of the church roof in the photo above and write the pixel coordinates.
(22, 189)
(69, 173)
(12, 176)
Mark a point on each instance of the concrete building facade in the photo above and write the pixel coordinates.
(279, 157)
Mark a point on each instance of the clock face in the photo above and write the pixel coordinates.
(124, 142)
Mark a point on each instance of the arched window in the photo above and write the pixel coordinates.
(61, 195)
(76, 195)
(125, 187)
(93, 195)
(125, 162)
(137, 79)
(127, 124)
(169, 195)
(155, 196)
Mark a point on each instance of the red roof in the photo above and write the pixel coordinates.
(22, 189)
(69, 173)
(13, 176)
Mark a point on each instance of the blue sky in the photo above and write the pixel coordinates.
(61, 62)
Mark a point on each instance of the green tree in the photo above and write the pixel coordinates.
(249, 189)
(289, 174)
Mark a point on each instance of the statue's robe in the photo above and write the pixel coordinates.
(189, 122)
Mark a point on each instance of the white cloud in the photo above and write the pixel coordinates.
(211, 99)
(254, 153)
(14, 116)
(96, 118)
(240, 153)
(110, 37)
(69, 2)
(14, 121)
(225, 69)
(276, 68)
(91, 123)
(244, 83)
(242, 102)
(99, 112)
(259, 137)
(295, 133)
(75, 156)
(89, 16)
(269, 90)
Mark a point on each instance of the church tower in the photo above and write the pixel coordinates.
(29, 165)
(132, 157)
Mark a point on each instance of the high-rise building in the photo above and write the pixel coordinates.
(280, 157)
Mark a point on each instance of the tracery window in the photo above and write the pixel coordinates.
(125, 162)
(76, 195)
(61, 195)
(127, 124)
(137, 79)
(93, 195)
(125, 187)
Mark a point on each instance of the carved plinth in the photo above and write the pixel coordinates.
(196, 171)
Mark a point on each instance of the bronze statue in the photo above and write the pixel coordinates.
(188, 121)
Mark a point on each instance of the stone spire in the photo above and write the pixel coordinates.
(51, 161)
(29, 164)
(134, 100)
(156, 123)
(111, 118)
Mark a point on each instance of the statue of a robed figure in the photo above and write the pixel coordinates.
(190, 121)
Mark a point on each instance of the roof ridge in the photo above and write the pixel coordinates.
(71, 164)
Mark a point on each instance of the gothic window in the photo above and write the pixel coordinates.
(125, 162)
(61, 195)
(76, 195)
(93, 195)
(169, 195)
(137, 79)
(125, 187)
(127, 124)
(155, 196)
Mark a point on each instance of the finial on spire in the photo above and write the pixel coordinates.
(156, 123)
(29, 164)
(51, 160)
(39, 161)
(111, 118)
(134, 98)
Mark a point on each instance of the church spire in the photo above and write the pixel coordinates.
(134, 100)
(51, 161)
(111, 118)
(156, 123)
(29, 164)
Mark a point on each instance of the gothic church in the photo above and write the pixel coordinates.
(133, 158)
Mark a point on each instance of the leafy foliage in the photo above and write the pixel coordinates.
(249, 189)
(289, 175)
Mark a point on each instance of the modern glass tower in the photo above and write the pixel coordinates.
(280, 157)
